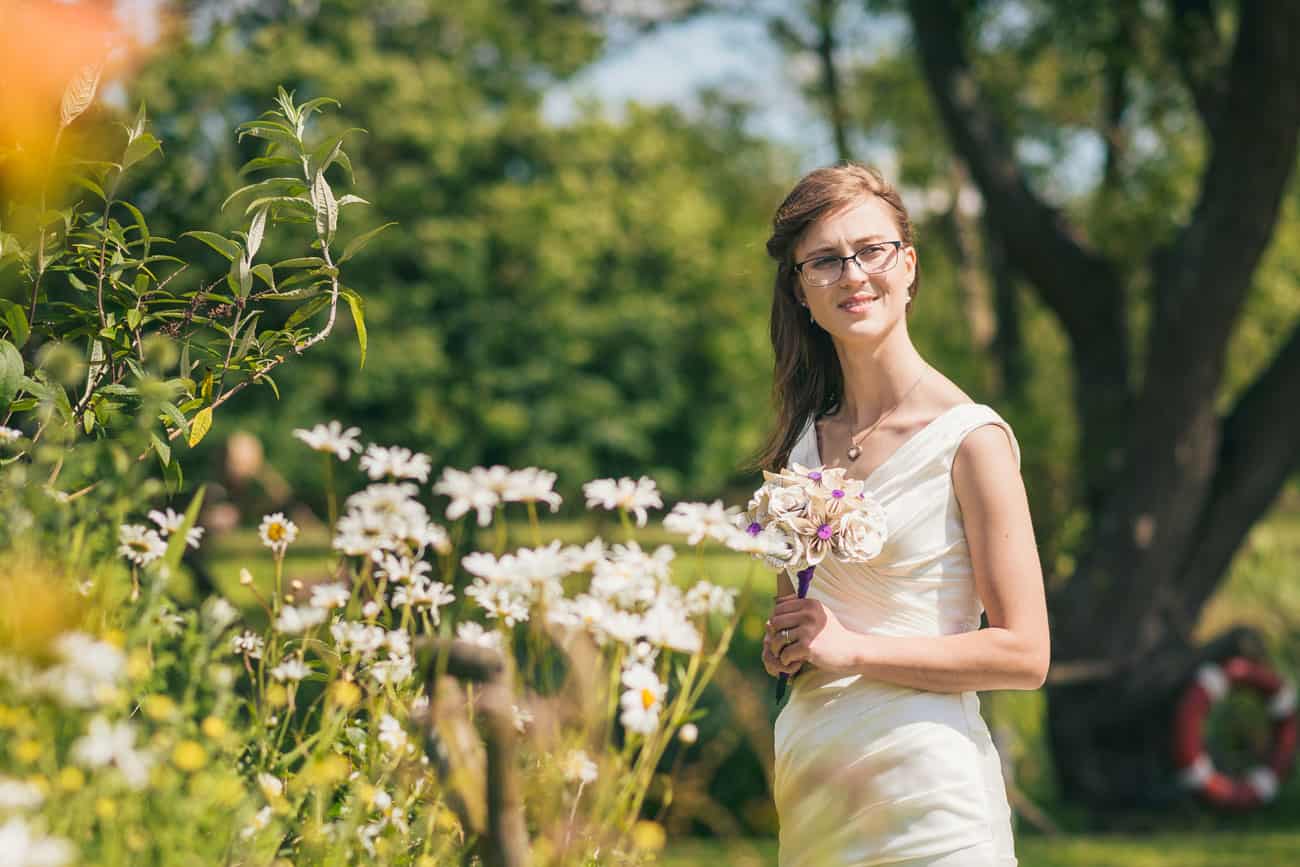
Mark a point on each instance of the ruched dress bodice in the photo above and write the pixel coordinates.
(869, 772)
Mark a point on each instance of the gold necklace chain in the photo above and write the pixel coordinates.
(855, 442)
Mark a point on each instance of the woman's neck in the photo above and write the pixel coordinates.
(877, 377)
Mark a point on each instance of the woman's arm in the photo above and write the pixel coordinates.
(1012, 653)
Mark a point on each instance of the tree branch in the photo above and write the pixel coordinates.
(1081, 287)
(1197, 50)
(1259, 448)
(825, 18)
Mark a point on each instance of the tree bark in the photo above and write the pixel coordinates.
(1172, 488)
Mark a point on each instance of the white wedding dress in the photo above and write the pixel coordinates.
(874, 773)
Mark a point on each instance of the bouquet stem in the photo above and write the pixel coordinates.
(805, 579)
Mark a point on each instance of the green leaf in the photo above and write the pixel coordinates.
(255, 231)
(144, 229)
(250, 331)
(272, 131)
(179, 537)
(259, 163)
(15, 318)
(11, 373)
(241, 277)
(268, 276)
(327, 210)
(174, 477)
(293, 294)
(354, 246)
(138, 148)
(308, 310)
(271, 382)
(269, 188)
(223, 245)
(88, 184)
(358, 306)
(177, 417)
(303, 262)
(350, 199)
(160, 446)
(79, 94)
(133, 317)
(200, 426)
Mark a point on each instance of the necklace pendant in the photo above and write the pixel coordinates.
(854, 451)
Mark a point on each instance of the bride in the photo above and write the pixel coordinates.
(882, 756)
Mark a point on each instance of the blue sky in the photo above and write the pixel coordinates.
(671, 65)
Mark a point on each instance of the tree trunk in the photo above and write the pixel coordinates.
(1171, 485)
(1111, 735)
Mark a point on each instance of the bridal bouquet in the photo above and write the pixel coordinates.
(806, 513)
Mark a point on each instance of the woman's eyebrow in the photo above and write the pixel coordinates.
(826, 248)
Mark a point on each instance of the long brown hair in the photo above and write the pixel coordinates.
(807, 380)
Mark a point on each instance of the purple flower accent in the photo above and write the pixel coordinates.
(754, 529)
(837, 494)
(824, 531)
(815, 476)
(805, 578)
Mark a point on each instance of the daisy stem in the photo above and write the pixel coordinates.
(332, 505)
(279, 578)
(535, 524)
(501, 529)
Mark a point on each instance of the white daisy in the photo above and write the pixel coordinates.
(699, 520)
(24, 846)
(396, 670)
(475, 634)
(705, 598)
(249, 644)
(277, 532)
(531, 485)
(331, 438)
(426, 594)
(113, 744)
(642, 700)
(632, 496)
(9, 435)
(579, 768)
(391, 734)
(402, 570)
(500, 600)
(467, 491)
(17, 795)
(395, 462)
(139, 544)
(295, 619)
(293, 669)
(332, 595)
(170, 521)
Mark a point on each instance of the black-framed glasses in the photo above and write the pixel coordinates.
(872, 259)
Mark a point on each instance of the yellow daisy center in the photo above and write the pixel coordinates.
(648, 698)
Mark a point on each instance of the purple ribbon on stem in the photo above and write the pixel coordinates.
(805, 579)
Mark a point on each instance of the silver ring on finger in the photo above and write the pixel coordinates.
(785, 638)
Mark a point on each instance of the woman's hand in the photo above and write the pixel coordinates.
(814, 636)
(772, 646)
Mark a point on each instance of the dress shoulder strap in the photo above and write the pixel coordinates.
(976, 416)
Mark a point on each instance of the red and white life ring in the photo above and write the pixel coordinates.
(1196, 769)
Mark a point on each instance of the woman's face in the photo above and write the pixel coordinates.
(857, 304)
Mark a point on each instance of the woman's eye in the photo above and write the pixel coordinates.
(824, 263)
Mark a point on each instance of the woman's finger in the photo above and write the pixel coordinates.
(788, 621)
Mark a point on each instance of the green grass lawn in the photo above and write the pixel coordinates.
(1260, 849)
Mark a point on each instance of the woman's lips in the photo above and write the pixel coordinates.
(858, 303)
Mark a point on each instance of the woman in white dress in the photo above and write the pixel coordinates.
(881, 754)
